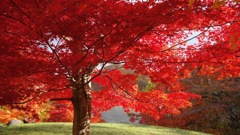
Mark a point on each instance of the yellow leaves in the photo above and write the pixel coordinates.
(187, 73)
(233, 42)
(7, 114)
(237, 1)
(218, 3)
(191, 2)
(233, 46)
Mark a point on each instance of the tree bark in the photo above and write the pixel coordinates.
(82, 110)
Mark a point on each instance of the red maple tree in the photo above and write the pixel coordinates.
(53, 49)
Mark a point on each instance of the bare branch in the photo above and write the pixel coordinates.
(29, 100)
(131, 96)
(60, 99)
(38, 95)
(23, 23)
(96, 75)
(180, 43)
(208, 27)
(137, 37)
(98, 40)
(59, 60)
(20, 10)
(179, 62)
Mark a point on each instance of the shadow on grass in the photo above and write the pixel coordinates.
(37, 129)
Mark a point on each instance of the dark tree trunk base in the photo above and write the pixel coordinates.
(82, 112)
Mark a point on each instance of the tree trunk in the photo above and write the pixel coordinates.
(82, 111)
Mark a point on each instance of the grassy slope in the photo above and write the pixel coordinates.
(96, 129)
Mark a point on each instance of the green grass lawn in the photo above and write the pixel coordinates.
(96, 129)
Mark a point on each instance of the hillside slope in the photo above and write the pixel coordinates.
(96, 129)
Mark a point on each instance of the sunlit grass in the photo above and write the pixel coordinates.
(96, 129)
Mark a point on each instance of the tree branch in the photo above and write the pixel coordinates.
(131, 97)
(59, 99)
(20, 10)
(135, 39)
(208, 27)
(38, 95)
